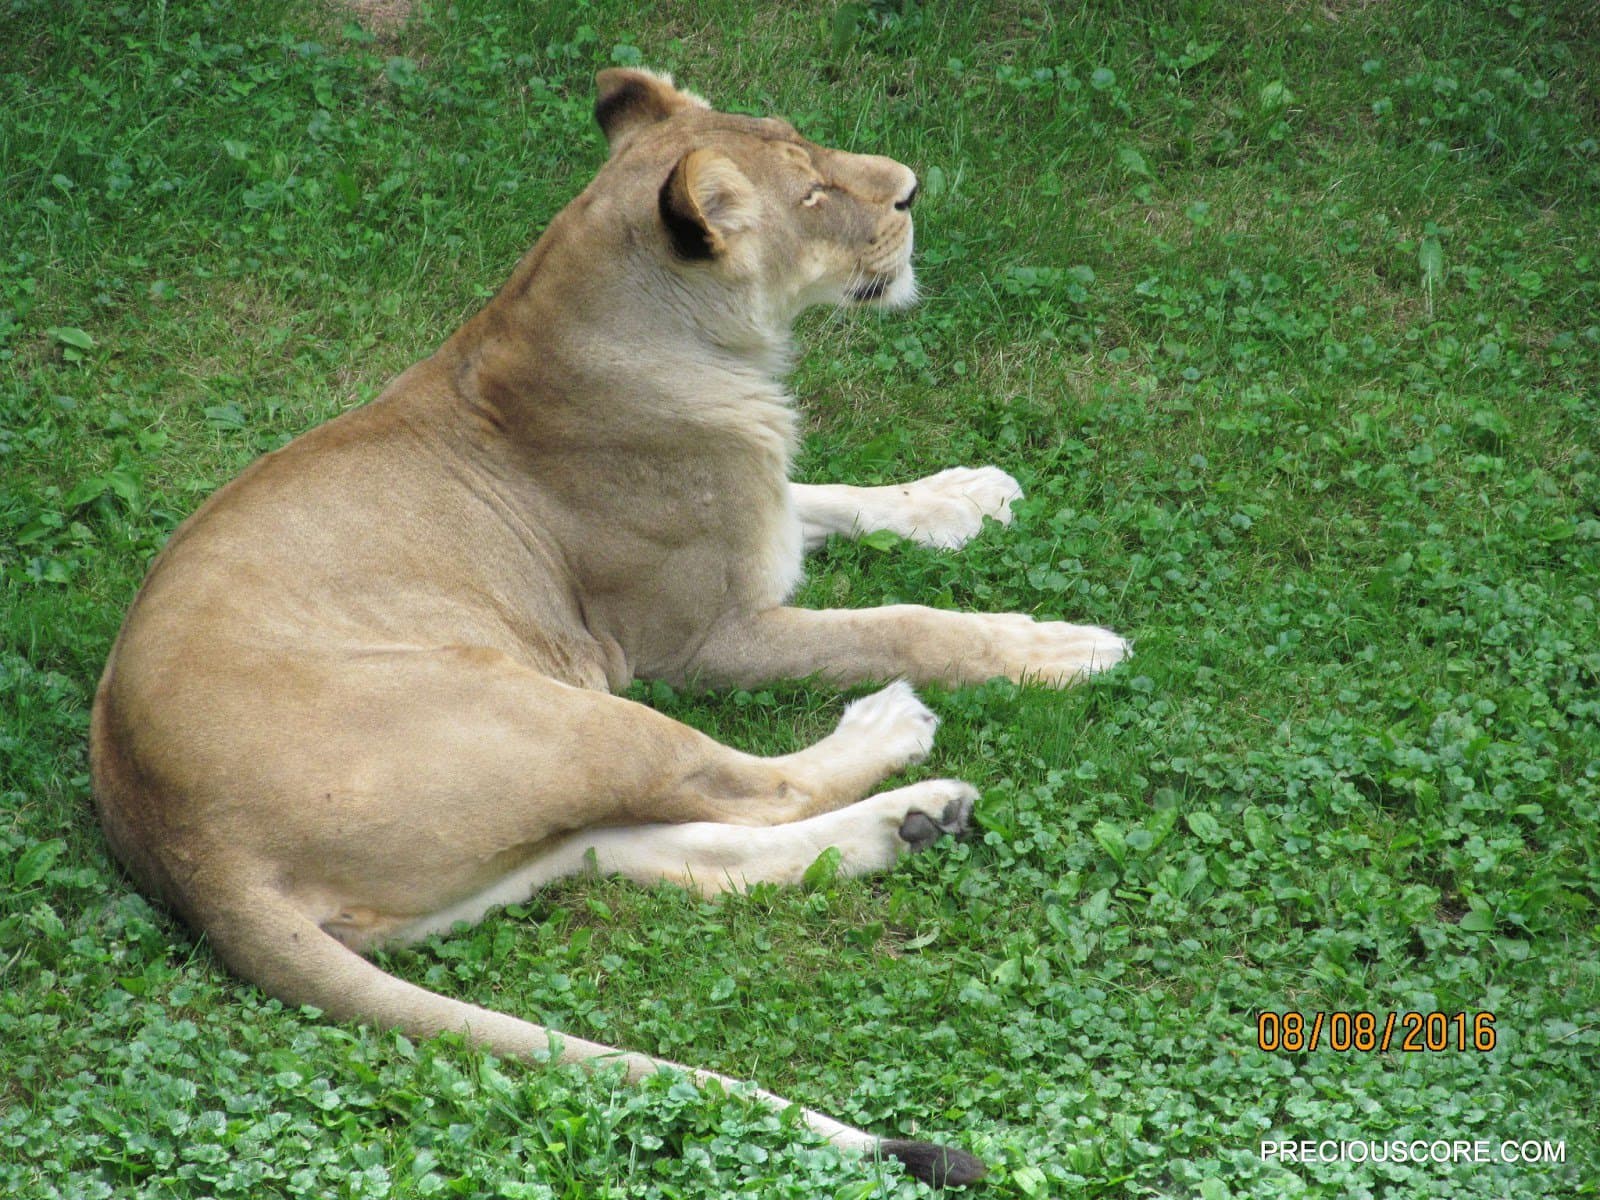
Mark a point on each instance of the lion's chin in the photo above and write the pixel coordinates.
(884, 291)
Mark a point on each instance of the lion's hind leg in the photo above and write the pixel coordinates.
(870, 835)
(711, 857)
(878, 735)
(508, 757)
(451, 777)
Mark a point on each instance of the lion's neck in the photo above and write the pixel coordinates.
(566, 355)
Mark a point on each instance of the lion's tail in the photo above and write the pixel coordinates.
(265, 938)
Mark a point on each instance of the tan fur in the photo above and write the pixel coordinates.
(365, 688)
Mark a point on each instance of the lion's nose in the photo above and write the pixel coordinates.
(905, 202)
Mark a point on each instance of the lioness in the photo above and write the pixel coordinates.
(365, 691)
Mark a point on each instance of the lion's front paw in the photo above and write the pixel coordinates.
(947, 510)
(1053, 653)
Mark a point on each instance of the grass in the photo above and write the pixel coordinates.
(1285, 315)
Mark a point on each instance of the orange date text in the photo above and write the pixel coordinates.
(1375, 1033)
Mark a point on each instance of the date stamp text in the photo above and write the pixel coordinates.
(1375, 1033)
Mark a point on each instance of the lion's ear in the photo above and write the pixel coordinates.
(628, 99)
(705, 199)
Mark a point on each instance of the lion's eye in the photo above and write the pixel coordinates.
(815, 196)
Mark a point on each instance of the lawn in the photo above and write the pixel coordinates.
(1286, 315)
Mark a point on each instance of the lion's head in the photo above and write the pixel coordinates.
(746, 208)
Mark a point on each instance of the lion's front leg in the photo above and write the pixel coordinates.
(923, 645)
(945, 510)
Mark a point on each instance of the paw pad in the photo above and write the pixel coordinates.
(920, 830)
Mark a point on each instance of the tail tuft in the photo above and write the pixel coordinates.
(940, 1166)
